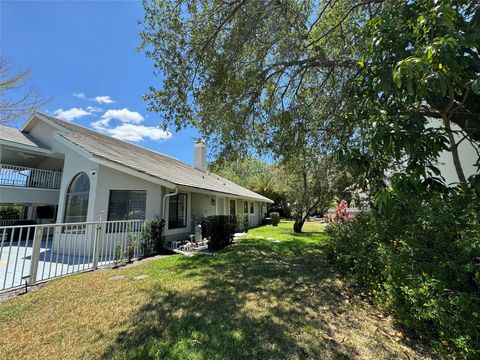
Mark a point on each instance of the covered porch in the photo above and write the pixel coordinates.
(30, 180)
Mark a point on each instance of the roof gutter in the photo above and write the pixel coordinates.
(25, 147)
(223, 194)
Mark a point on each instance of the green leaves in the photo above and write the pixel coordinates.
(420, 262)
(297, 80)
(476, 86)
(234, 69)
(425, 66)
(384, 200)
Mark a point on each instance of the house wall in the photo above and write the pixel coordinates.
(111, 179)
(254, 219)
(240, 207)
(19, 195)
(220, 205)
(202, 206)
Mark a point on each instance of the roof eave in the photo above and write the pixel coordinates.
(25, 146)
(37, 115)
(224, 193)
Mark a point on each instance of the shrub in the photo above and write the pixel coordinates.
(130, 249)
(9, 212)
(242, 223)
(424, 268)
(152, 240)
(118, 253)
(203, 224)
(220, 230)
(275, 216)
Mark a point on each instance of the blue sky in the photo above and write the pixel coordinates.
(82, 55)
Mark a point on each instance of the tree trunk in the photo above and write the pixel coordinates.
(297, 226)
(456, 157)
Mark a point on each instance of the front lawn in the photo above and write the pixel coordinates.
(270, 296)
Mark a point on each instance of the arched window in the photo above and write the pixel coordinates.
(76, 204)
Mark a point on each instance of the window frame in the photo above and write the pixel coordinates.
(84, 195)
(176, 227)
(252, 208)
(109, 212)
(245, 207)
(230, 207)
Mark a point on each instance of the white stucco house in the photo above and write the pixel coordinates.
(468, 156)
(60, 172)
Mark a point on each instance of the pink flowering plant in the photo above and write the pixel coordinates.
(342, 214)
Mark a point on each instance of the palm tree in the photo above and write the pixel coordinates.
(263, 184)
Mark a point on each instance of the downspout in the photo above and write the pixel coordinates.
(164, 203)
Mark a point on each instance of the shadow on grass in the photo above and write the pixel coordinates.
(255, 300)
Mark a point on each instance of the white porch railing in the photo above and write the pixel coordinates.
(20, 176)
(33, 253)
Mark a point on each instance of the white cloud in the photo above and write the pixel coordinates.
(94, 109)
(80, 95)
(129, 128)
(124, 115)
(104, 99)
(71, 114)
(130, 132)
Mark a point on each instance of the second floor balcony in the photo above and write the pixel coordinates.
(20, 176)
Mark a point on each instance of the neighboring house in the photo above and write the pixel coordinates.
(64, 173)
(467, 154)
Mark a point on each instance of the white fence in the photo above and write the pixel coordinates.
(34, 253)
(20, 176)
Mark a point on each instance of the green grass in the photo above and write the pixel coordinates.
(258, 299)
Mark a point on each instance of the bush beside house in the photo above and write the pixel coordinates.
(425, 269)
(242, 223)
(152, 241)
(219, 230)
(9, 212)
(275, 216)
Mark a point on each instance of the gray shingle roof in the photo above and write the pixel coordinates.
(13, 135)
(149, 162)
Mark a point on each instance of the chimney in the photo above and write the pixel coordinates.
(200, 156)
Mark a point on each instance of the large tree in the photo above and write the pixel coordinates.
(369, 74)
(229, 68)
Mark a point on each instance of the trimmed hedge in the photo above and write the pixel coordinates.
(219, 229)
(275, 216)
